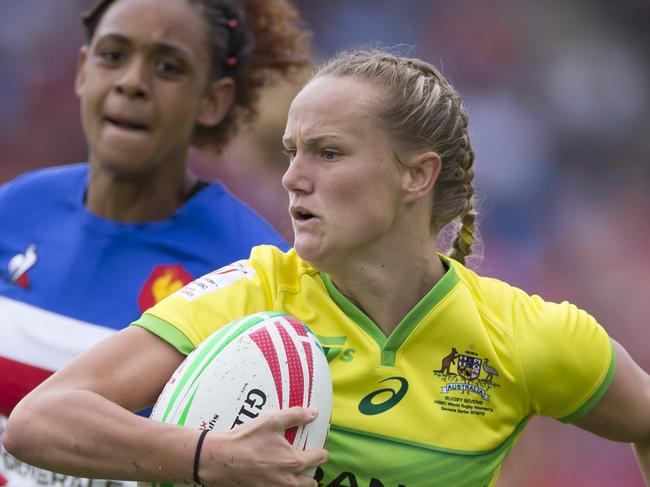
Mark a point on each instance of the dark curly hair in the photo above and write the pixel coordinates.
(255, 42)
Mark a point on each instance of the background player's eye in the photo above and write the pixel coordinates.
(290, 153)
(112, 56)
(169, 67)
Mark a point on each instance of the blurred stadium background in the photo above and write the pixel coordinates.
(559, 99)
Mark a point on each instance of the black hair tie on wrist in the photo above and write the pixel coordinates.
(197, 456)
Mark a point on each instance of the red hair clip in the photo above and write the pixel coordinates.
(233, 23)
(231, 61)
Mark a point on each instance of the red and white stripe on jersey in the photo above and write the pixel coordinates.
(35, 343)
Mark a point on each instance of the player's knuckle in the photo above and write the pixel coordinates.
(294, 481)
(295, 464)
(289, 481)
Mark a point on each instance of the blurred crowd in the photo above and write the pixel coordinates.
(559, 99)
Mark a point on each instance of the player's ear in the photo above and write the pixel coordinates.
(217, 100)
(420, 174)
(80, 78)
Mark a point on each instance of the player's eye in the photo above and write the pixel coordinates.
(290, 153)
(329, 154)
(111, 56)
(169, 67)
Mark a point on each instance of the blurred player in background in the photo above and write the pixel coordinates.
(86, 248)
(436, 370)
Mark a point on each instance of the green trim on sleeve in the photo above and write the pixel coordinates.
(165, 330)
(589, 404)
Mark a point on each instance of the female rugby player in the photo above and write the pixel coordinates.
(436, 369)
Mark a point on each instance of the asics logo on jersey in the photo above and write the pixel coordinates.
(383, 399)
(335, 347)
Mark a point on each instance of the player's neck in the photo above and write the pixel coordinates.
(387, 293)
(137, 200)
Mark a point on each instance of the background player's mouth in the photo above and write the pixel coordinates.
(126, 124)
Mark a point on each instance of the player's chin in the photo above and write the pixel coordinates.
(308, 248)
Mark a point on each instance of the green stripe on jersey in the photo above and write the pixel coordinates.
(361, 459)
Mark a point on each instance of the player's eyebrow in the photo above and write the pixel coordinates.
(166, 47)
(315, 140)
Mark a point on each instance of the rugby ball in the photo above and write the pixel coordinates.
(262, 362)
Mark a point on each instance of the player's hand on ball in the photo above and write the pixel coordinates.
(256, 454)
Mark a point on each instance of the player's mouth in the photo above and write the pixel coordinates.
(301, 215)
(124, 123)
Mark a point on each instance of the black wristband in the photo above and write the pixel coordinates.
(197, 456)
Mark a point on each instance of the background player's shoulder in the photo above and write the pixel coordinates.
(217, 207)
(43, 193)
(50, 180)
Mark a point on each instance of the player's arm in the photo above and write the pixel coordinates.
(80, 422)
(623, 414)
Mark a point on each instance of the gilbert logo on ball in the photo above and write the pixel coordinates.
(262, 362)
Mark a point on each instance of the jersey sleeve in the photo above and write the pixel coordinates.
(187, 317)
(567, 359)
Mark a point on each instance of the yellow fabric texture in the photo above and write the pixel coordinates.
(474, 360)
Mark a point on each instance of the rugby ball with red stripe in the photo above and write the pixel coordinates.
(262, 362)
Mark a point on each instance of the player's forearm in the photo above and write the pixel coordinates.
(80, 433)
(642, 452)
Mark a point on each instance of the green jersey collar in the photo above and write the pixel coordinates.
(390, 345)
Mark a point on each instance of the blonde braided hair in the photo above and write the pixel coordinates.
(422, 110)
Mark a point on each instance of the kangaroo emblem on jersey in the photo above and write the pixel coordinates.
(20, 264)
(471, 374)
(448, 361)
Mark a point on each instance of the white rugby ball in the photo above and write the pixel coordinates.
(262, 362)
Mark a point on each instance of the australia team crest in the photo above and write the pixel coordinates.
(469, 367)
(467, 373)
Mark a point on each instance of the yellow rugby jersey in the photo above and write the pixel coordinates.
(440, 401)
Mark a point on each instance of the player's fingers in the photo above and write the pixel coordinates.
(314, 458)
(295, 416)
(307, 482)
